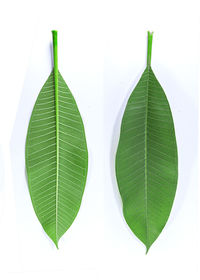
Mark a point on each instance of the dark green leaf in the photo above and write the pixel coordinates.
(146, 159)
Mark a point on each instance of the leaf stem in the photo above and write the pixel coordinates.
(149, 48)
(55, 58)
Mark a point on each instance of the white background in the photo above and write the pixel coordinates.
(102, 53)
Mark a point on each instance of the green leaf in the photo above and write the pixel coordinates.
(56, 155)
(146, 159)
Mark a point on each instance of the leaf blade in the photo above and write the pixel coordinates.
(56, 159)
(146, 159)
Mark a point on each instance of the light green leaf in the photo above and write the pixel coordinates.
(146, 159)
(56, 155)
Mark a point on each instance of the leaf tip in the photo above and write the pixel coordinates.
(55, 241)
(147, 249)
(56, 244)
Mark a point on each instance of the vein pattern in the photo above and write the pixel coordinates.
(146, 159)
(56, 178)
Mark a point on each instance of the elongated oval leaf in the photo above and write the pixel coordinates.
(146, 159)
(56, 155)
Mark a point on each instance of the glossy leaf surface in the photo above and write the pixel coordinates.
(146, 159)
(56, 157)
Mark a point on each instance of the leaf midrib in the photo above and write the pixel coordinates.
(145, 162)
(55, 70)
(57, 149)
